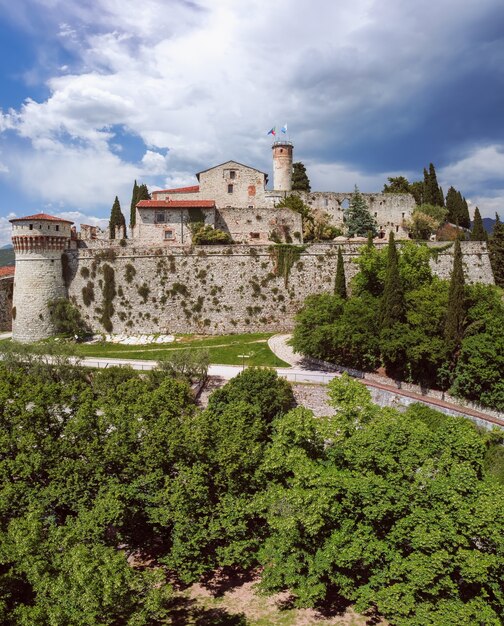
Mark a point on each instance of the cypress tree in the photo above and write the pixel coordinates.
(496, 249)
(478, 232)
(300, 180)
(452, 205)
(134, 194)
(340, 283)
(116, 218)
(455, 313)
(393, 307)
(464, 218)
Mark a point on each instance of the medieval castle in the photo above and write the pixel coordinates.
(157, 281)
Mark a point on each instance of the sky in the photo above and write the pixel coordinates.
(97, 93)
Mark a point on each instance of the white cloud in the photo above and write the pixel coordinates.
(207, 79)
(154, 163)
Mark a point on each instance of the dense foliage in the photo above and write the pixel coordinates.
(358, 219)
(300, 180)
(496, 249)
(423, 329)
(113, 479)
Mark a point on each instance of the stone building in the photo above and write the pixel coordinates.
(233, 197)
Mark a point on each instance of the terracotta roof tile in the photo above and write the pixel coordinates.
(176, 204)
(8, 270)
(192, 189)
(40, 216)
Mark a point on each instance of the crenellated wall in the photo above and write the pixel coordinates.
(220, 289)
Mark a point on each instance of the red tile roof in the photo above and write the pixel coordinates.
(176, 204)
(7, 271)
(40, 216)
(193, 189)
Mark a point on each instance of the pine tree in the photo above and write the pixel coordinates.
(393, 306)
(300, 180)
(455, 314)
(358, 219)
(478, 233)
(134, 194)
(340, 283)
(116, 218)
(496, 249)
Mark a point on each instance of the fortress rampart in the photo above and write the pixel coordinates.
(218, 289)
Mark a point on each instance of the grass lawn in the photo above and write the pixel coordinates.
(224, 349)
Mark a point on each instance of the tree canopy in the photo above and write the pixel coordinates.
(300, 180)
(114, 482)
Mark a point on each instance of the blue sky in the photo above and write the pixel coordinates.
(96, 94)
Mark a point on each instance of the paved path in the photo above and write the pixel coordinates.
(278, 345)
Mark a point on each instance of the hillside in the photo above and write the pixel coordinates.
(6, 256)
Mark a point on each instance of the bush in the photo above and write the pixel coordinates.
(206, 235)
(67, 319)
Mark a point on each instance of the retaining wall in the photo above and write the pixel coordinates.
(218, 289)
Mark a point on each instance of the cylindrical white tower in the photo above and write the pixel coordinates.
(282, 165)
(39, 241)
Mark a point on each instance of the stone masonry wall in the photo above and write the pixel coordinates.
(219, 289)
(6, 285)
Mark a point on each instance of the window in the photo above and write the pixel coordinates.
(230, 188)
(254, 235)
(397, 229)
(168, 234)
(403, 215)
(376, 214)
(31, 226)
(232, 174)
(160, 217)
(57, 227)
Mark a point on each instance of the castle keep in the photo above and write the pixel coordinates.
(157, 281)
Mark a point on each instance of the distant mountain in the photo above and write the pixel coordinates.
(6, 256)
(488, 224)
(8, 246)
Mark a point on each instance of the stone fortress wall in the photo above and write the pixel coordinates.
(219, 289)
(6, 288)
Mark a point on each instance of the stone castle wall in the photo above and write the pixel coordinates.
(219, 289)
(6, 287)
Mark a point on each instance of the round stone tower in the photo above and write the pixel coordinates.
(282, 165)
(39, 241)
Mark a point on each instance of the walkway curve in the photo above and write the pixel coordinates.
(279, 346)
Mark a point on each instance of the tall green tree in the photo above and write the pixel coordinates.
(300, 180)
(340, 283)
(358, 219)
(478, 232)
(433, 193)
(116, 218)
(392, 304)
(458, 210)
(455, 314)
(496, 248)
(133, 204)
(397, 184)
(143, 193)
